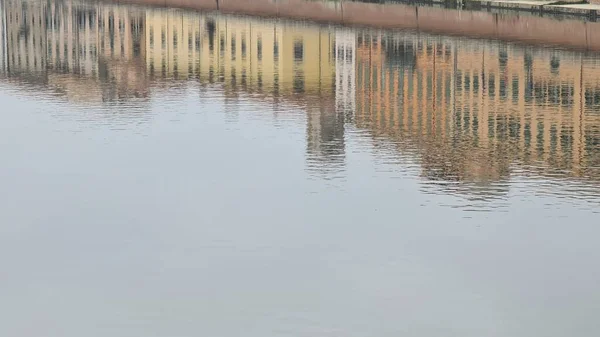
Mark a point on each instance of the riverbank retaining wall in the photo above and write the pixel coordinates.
(519, 27)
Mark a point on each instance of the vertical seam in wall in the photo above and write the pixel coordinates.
(496, 25)
(587, 43)
(417, 15)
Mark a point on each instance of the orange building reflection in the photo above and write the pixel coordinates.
(473, 110)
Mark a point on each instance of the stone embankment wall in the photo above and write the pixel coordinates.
(577, 34)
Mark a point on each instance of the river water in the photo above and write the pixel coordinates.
(173, 173)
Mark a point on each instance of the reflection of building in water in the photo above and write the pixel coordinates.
(98, 52)
(325, 124)
(469, 110)
(292, 62)
(71, 39)
(345, 70)
(325, 136)
(172, 41)
(473, 110)
(122, 51)
(58, 43)
(3, 42)
(25, 31)
(72, 53)
(258, 55)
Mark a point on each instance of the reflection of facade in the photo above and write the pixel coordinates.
(325, 136)
(172, 41)
(75, 48)
(325, 123)
(468, 110)
(71, 38)
(3, 42)
(345, 70)
(293, 62)
(122, 52)
(258, 55)
(475, 110)
(25, 36)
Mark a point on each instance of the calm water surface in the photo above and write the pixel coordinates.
(172, 173)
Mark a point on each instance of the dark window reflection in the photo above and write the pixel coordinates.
(259, 48)
(298, 50)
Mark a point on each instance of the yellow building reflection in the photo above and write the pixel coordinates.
(257, 54)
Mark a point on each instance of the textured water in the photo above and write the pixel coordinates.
(173, 173)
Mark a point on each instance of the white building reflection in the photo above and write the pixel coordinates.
(345, 70)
